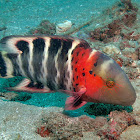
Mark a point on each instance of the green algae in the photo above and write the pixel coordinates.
(100, 109)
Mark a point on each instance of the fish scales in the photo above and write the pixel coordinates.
(66, 64)
(40, 61)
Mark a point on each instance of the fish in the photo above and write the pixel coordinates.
(64, 64)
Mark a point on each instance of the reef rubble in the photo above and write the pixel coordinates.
(64, 127)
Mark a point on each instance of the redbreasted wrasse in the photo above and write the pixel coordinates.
(53, 63)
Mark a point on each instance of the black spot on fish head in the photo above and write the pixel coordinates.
(95, 64)
(73, 79)
(72, 52)
(72, 58)
(72, 67)
(77, 53)
(90, 71)
(83, 54)
(83, 74)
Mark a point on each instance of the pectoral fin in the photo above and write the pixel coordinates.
(74, 102)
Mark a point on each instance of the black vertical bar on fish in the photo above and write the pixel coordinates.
(38, 51)
(3, 67)
(13, 58)
(23, 46)
(62, 58)
(55, 45)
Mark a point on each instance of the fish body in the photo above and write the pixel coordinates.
(56, 63)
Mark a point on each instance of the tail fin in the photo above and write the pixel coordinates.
(6, 66)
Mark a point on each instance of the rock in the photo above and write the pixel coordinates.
(111, 49)
(63, 27)
(8, 95)
(131, 133)
(90, 136)
(132, 73)
(130, 53)
(45, 27)
(118, 122)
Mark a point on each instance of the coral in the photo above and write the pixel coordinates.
(120, 8)
(113, 29)
(118, 122)
(126, 18)
(65, 127)
(45, 27)
(43, 131)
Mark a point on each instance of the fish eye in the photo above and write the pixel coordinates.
(110, 83)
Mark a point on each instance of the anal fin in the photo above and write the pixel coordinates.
(28, 86)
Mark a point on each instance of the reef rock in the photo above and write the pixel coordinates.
(63, 27)
(45, 27)
(111, 49)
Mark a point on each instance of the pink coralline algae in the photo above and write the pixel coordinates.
(64, 127)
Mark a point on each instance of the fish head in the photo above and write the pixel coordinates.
(110, 83)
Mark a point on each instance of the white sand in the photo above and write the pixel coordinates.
(18, 121)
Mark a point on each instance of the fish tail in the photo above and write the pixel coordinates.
(6, 66)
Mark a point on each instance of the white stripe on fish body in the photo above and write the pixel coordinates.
(56, 53)
(30, 68)
(44, 61)
(68, 63)
(56, 66)
(92, 53)
(21, 65)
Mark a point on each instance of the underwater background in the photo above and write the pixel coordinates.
(40, 116)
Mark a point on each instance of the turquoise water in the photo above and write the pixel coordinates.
(20, 16)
